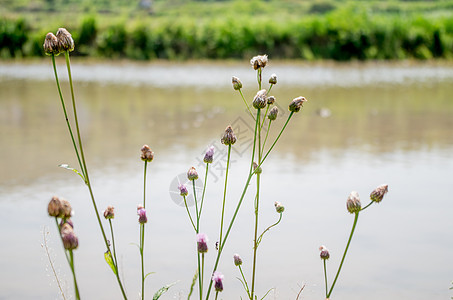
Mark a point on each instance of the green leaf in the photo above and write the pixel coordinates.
(267, 293)
(67, 167)
(109, 259)
(162, 290)
(149, 274)
(194, 280)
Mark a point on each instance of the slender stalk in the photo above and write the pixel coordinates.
(144, 183)
(196, 206)
(369, 204)
(76, 287)
(325, 275)
(200, 281)
(113, 246)
(259, 78)
(245, 281)
(267, 134)
(264, 117)
(202, 270)
(270, 87)
(59, 233)
(224, 193)
(245, 102)
(44, 245)
(344, 254)
(216, 294)
(204, 189)
(278, 137)
(188, 212)
(142, 246)
(268, 228)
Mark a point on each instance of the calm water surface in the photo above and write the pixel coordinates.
(364, 125)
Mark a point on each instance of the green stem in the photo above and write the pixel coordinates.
(144, 183)
(264, 117)
(113, 245)
(200, 283)
(325, 275)
(259, 78)
(204, 189)
(59, 233)
(363, 208)
(224, 193)
(344, 254)
(76, 287)
(202, 270)
(245, 281)
(188, 212)
(269, 90)
(196, 206)
(142, 246)
(278, 137)
(216, 294)
(248, 108)
(267, 134)
(268, 228)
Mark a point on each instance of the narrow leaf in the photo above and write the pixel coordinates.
(267, 293)
(149, 274)
(162, 290)
(194, 280)
(109, 259)
(67, 167)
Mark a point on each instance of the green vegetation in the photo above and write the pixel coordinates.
(182, 29)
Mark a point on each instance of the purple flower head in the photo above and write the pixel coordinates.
(217, 277)
(192, 174)
(237, 260)
(209, 156)
(141, 212)
(183, 190)
(202, 243)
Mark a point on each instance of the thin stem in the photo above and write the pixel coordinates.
(270, 87)
(245, 281)
(144, 183)
(325, 275)
(278, 137)
(267, 134)
(216, 294)
(369, 204)
(202, 270)
(248, 108)
(267, 229)
(188, 212)
(224, 193)
(204, 189)
(259, 78)
(76, 287)
(44, 245)
(196, 206)
(113, 245)
(264, 117)
(344, 254)
(200, 284)
(59, 233)
(142, 246)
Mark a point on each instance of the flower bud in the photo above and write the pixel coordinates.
(217, 277)
(296, 104)
(192, 174)
(51, 44)
(147, 153)
(65, 209)
(109, 212)
(54, 207)
(379, 193)
(70, 240)
(202, 243)
(66, 221)
(324, 253)
(237, 84)
(279, 207)
(353, 203)
(229, 138)
(65, 41)
(259, 61)
(270, 100)
(273, 113)
(256, 168)
(141, 212)
(260, 100)
(273, 79)
(183, 190)
(237, 260)
(209, 156)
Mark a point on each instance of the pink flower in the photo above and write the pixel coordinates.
(202, 243)
(217, 277)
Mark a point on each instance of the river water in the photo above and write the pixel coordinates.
(364, 125)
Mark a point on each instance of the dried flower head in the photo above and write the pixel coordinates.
(259, 61)
(66, 221)
(51, 44)
(237, 260)
(256, 168)
(273, 113)
(147, 153)
(65, 209)
(296, 104)
(217, 277)
(54, 207)
(202, 243)
(353, 203)
(237, 84)
(324, 252)
(70, 240)
(65, 41)
(378, 193)
(229, 138)
(260, 100)
(109, 212)
(209, 156)
(192, 174)
(183, 190)
(273, 79)
(270, 100)
(279, 207)
(141, 212)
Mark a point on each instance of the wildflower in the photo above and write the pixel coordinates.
(270, 100)
(192, 174)
(183, 190)
(66, 221)
(209, 156)
(279, 207)
(353, 203)
(65, 41)
(202, 243)
(141, 212)
(147, 153)
(378, 193)
(109, 212)
(324, 253)
(70, 240)
(273, 113)
(54, 207)
(237, 260)
(259, 61)
(217, 277)
(297, 103)
(51, 44)
(273, 79)
(65, 209)
(257, 169)
(237, 84)
(260, 100)
(229, 138)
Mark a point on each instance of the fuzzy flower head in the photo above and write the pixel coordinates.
(70, 240)
(202, 243)
(183, 190)
(296, 104)
(192, 174)
(229, 138)
(273, 113)
(260, 99)
(209, 156)
(147, 154)
(324, 254)
(54, 207)
(65, 41)
(51, 44)
(141, 212)
(217, 277)
(353, 203)
(259, 61)
(279, 208)
(237, 260)
(273, 79)
(237, 84)
(270, 100)
(109, 212)
(378, 193)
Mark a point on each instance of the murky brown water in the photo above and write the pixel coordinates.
(363, 125)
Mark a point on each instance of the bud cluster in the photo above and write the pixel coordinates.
(60, 208)
(296, 104)
(259, 61)
(56, 44)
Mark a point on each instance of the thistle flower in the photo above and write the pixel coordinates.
(237, 84)
(237, 260)
(270, 100)
(378, 193)
(273, 79)
(202, 243)
(260, 100)
(229, 138)
(296, 104)
(353, 203)
(209, 156)
(183, 190)
(259, 61)
(256, 168)
(192, 174)
(51, 44)
(279, 208)
(141, 212)
(147, 153)
(54, 207)
(70, 240)
(324, 253)
(217, 277)
(273, 113)
(65, 41)
(109, 212)
(65, 209)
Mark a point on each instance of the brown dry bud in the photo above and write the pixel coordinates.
(147, 154)
(51, 44)
(378, 194)
(273, 113)
(259, 61)
(65, 209)
(229, 138)
(260, 100)
(54, 207)
(273, 79)
(109, 212)
(270, 100)
(279, 207)
(353, 203)
(65, 41)
(296, 104)
(70, 240)
(237, 84)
